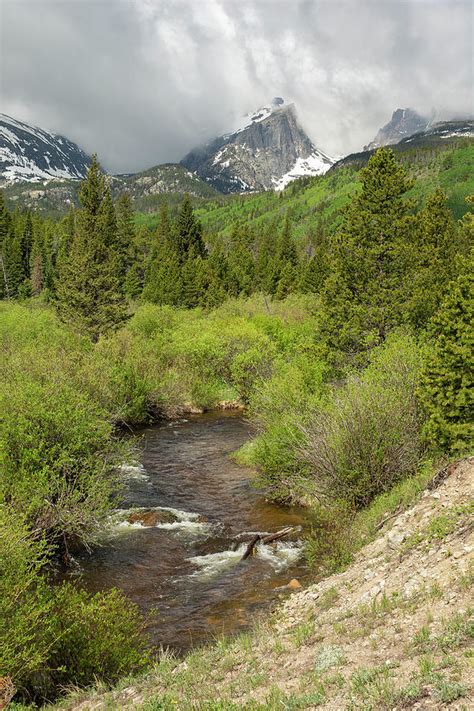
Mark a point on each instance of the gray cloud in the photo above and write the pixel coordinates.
(142, 81)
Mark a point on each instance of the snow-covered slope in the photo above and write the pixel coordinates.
(28, 153)
(265, 151)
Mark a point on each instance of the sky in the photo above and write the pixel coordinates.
(141, 82)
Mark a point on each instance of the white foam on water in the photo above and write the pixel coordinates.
(134, 471)
(187, 523)
(213, 564)
(279, 555)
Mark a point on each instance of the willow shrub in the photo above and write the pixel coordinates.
(367, 437)
(278, 408)
(57, 450)
(54, 636)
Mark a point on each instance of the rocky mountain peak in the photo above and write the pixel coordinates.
(404, 123)
(267, 150)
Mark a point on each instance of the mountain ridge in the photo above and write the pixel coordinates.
(32, 154)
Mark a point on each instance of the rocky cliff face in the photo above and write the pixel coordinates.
(268, 151)
(30, 154)
(404, 123)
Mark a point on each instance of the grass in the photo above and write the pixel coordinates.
(440, 526)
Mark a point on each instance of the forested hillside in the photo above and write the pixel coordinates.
(310, 201)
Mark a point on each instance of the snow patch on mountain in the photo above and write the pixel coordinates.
(317, 163)
(31, 154)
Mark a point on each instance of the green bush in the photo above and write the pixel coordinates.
(368, 435)
(278, 408)
(57, 450)
(57, 455)
(53, 636)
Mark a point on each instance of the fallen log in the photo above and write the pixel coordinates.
(250, 547)
(280, 534)
(268, 539)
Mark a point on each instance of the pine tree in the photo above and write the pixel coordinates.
(240, 277)
(188, 232)
(37, 260)
(163, 283)
(363, 296)
(446, 390)
(5, 223)
(285, 266)
(13, 264)
(430, 259)
(125, 236)
(89, 292)
(194, 280)
(26, 242)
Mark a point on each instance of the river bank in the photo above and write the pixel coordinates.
(394, 630)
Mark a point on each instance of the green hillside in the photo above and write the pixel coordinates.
(449, 166)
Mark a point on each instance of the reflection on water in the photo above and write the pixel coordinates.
(175, 546)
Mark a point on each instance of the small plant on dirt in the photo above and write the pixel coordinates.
(328, 657)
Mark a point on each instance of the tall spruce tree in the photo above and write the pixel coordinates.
(188, 236)
(89, 294)
(240, 278)
(430, 259)
(5, 222)
(446, 391)
(163, 282)
(363, 296)
(125, 235)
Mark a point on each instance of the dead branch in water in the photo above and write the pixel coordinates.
(268, 539)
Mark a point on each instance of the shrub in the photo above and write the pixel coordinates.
(57, 453)
(367, 437)
(54, 636)
(278, 408)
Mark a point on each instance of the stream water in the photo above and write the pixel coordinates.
(184, 569)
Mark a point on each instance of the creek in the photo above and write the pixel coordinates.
(174, 546)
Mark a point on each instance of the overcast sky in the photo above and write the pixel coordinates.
(143, 81)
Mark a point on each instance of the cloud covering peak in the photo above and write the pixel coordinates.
(143, 81)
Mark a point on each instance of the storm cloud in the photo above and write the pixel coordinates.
(141, 82)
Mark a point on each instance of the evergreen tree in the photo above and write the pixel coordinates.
(216, 278)
(430, 259)
(285, 266)
(163, 283)
(89, 293)
(363, 296)
(194, 280)
(39, 263)
(13, 264)
(240, 277)
(446, 390)
(5, 223)
(266, 271)
(125, 233)
(188, 232)
(27, 242)
(138, 261)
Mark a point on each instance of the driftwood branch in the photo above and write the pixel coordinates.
(267, 539)
(250, 547)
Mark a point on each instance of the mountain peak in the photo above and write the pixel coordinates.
(266, 150)
(404, 123)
